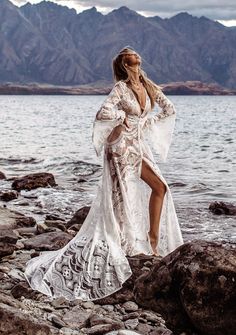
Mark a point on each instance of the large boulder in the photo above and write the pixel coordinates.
(34, 180)
(194, 286)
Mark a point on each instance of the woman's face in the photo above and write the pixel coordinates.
(132, 58)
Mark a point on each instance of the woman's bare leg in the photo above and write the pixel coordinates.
(155, 203)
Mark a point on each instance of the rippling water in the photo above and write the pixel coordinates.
(53, 134)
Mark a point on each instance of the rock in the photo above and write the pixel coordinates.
(8, 241)
(152, 317)
(131, 323)
(23, 289)
(78, 218)
(2, 175)
(194, 286)
(163, 331)
(221, 207)
(98, 320)
(16, 274)
(14, 321)
(34, 180)
(103, 328)
(6, 249)
(8, 236)
(69, 331)
(76, 318)
(42, 228)
(8, 195)
(108, 308)
(10, 219)
(130, 306)
(25, 221)
(57, 321)
(26, 231)
(124, 332)
(130, 316)
(48, 241)
(60, 303)
(87, 304)
(55, 224)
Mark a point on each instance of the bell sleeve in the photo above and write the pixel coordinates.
(108, 116)
(158, 129)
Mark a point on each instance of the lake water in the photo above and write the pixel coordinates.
(53, 134)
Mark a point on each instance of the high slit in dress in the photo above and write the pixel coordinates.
(93, 264)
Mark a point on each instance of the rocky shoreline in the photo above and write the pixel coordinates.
(173, 88)
(191, 291)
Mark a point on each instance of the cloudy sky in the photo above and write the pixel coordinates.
(223, 11)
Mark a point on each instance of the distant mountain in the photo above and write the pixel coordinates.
(49, 43)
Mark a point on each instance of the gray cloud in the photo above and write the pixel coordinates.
(213, 9)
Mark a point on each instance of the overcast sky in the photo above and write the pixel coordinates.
(223, 11)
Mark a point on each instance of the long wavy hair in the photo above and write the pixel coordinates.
(122, 72)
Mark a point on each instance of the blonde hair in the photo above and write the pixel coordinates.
(122, 72)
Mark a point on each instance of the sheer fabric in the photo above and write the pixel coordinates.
(94, 264)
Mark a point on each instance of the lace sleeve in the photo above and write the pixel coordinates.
(159, 128)
(108, 116)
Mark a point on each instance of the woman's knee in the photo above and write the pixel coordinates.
(159, 188)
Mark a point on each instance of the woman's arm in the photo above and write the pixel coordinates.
(109, 108)
(158, 128)
(108, 116)
(167, 107)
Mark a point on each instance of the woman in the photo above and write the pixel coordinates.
(133, 211)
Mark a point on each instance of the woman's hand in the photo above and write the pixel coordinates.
(126, 122)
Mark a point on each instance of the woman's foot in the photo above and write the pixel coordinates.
(153, 242)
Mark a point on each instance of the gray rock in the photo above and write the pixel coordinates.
(48, 241)
(130, 306)
(76, 318)
(131, 323)
(14, 321)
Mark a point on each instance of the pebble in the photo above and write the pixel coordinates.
(130, 306)
(4, 269)
(88, 304)
(108, 308)
(131, 323)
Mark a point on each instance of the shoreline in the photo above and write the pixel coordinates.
(172, 88)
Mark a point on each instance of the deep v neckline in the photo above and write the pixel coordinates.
(142, 111)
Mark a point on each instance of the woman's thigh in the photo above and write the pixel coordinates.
(151, 178)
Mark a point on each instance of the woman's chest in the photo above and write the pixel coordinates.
(134, 105)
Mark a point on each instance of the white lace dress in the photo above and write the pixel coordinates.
(94, 264)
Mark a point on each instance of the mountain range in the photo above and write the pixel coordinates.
(48, 43)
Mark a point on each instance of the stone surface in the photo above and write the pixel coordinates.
(34, 180)
(15, 322)
(10, 219)
(221, 207)
(48, 241)
(194, 286)
(78, 218)
(2, 175)
(77, 318)
(8, 195)
(8, 241)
